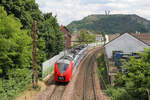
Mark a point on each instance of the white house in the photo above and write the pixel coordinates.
(126, 43)
(100, 38)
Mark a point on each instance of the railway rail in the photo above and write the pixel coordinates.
(58, 91)
(93, 82)
(89, 71)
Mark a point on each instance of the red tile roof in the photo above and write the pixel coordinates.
(64, 30)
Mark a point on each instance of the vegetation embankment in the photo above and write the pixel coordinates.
(133, 83)
(102, 71)
(16, 21)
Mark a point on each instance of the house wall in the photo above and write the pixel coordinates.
(67, 36)
(99, 38)
(107, 38)
(67, 42)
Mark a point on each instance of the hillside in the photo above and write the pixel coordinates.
(111, 24)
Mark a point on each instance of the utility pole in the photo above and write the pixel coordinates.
(34, 81)
(148, 94)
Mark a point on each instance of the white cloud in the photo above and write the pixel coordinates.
(70, 10)
(117, 5)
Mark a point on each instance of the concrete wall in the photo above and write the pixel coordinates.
(48, 66)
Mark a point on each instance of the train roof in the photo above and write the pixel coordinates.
(71, 54)
(66, 59)
(69, 57)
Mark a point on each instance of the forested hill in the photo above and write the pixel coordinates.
(116, 23)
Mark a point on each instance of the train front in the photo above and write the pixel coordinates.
(63, 70)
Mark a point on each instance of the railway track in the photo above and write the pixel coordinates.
(93, 82)
(58, 91)
(89, 80)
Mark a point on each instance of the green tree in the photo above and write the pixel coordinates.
(59, 37)
(136, 78)
(25, 10)
(85, 37)
(103, 35)
(48, 30)
(15, 44)
(15, 56)
(50, 39)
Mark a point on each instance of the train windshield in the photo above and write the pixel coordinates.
(67, 57)
(62, 67)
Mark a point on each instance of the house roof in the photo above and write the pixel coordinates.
(64, 30)
(113, 36)
(126, 43)
(143, 37)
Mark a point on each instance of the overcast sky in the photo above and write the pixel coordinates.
(70, 10)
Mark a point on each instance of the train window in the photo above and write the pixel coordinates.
(67, 57)
(62, 67)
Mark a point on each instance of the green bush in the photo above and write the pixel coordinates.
(118, 94)
(18, 80)
(133, 83)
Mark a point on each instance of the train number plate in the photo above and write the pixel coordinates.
(61, 78)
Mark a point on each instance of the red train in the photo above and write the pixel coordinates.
(66, 65)
(63, 69)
